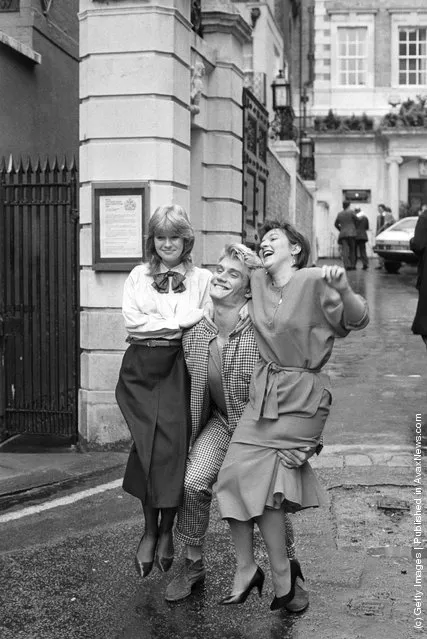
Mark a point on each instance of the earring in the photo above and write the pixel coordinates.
(293, 260)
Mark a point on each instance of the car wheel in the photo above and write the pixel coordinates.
(392, 267)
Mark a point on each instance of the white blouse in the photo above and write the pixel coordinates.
(150, 314)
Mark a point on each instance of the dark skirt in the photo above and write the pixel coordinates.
(153, 393)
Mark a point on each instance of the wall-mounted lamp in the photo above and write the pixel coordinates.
(283, 123)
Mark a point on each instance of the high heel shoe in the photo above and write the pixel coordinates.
(164, 562)
(257, 581)
(144, 568)
(280, 602)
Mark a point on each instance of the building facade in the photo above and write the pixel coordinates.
(39, 70)
(370, 58)
(175, 99)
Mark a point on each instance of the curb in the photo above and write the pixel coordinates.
(43, 491)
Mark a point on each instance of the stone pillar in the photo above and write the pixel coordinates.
(393, 183)
(288, 153)
(225, 31)
(134, 126)
(311, 187)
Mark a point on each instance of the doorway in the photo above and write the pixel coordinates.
(417, 195)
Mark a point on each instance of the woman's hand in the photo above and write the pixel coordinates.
(295, 457)
(191, 318)
(336, 277)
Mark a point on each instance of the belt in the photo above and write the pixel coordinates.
(266, 402)
(157, 342)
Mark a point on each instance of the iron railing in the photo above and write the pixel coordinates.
(39, 297)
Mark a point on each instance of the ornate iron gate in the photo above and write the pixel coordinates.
(255, 171)
(38, 299)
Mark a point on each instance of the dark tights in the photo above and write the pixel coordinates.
(157, 533)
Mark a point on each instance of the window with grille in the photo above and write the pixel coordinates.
(352, 56)
(413, 55)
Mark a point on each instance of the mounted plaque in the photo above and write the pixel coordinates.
(119, 218)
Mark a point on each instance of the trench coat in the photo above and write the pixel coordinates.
(418, 244)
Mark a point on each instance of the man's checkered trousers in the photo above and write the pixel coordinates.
(211, 431)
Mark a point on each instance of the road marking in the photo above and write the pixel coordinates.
(61, 501)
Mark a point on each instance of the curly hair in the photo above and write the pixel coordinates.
(294, 237)
(172, 220)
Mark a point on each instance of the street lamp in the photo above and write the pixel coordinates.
(283, 123)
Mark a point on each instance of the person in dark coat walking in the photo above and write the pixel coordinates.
(346, 222)
(361, 238)
(418, 244)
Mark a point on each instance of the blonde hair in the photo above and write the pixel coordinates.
(172, 220)
(243, 253)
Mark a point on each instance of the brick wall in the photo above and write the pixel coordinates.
(278, 189)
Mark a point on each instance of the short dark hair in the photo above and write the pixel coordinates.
(294, 237)
(169, 219)
(346, 204)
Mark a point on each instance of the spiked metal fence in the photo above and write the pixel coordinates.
(39, 375)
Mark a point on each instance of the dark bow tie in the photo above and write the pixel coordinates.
(161, 282)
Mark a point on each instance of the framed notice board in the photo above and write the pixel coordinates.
(119, 211)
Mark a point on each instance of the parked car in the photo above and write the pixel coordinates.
(392, 244)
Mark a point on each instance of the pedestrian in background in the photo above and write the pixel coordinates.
(380, 218)
(160, 298)
(346, 222)
(384, 220)
(418, 244)
(361, 238)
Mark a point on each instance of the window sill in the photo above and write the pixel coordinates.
(20, 48)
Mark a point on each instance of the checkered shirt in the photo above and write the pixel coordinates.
(239, 356)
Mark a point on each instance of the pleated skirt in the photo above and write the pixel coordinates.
(153, 393)
(253, 476)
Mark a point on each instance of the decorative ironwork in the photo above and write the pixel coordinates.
(282, 127)
(39, 297)
(9, 5)
(196, 17)
(255, 171)
(306, 168)
(256, 81)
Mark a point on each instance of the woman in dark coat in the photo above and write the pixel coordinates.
(160, 298)
(419, 245)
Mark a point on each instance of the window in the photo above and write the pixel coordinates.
(352, 56)
(413, 55)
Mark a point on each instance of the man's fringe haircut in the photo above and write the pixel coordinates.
(243, 253)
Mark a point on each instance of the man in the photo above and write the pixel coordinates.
(220, 352)
(418, 244)
(381, 208)
(361, 238)
(346, 222)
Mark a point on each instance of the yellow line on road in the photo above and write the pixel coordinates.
(60, 501)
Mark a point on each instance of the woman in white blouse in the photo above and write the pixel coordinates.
(161, 297)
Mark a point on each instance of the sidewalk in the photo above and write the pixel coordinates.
(38, 472)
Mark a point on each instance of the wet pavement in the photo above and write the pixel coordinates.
(68, 571)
